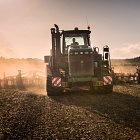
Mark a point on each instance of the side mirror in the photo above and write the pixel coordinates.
(46, 59)
(106, 56)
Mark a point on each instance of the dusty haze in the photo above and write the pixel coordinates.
(11, 66)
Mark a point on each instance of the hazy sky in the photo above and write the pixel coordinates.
(25, 25)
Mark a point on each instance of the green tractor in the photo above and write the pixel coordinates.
(74, 63)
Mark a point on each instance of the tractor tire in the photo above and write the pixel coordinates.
(92, 89)
(49, 87)
(52, 91)
(108, 89)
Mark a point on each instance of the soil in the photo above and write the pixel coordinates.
(34, 115)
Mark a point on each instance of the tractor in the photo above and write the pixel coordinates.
(74, 64)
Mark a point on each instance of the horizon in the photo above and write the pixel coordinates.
(1, 57)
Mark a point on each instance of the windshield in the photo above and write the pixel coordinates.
(81, 39)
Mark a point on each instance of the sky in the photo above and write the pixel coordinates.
(25, 25)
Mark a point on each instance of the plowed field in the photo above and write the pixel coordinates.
(34, 115)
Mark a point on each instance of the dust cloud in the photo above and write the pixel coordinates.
(124, 69)
(10, 67)
(124, 65)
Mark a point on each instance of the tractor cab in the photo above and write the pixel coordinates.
(73, 39)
